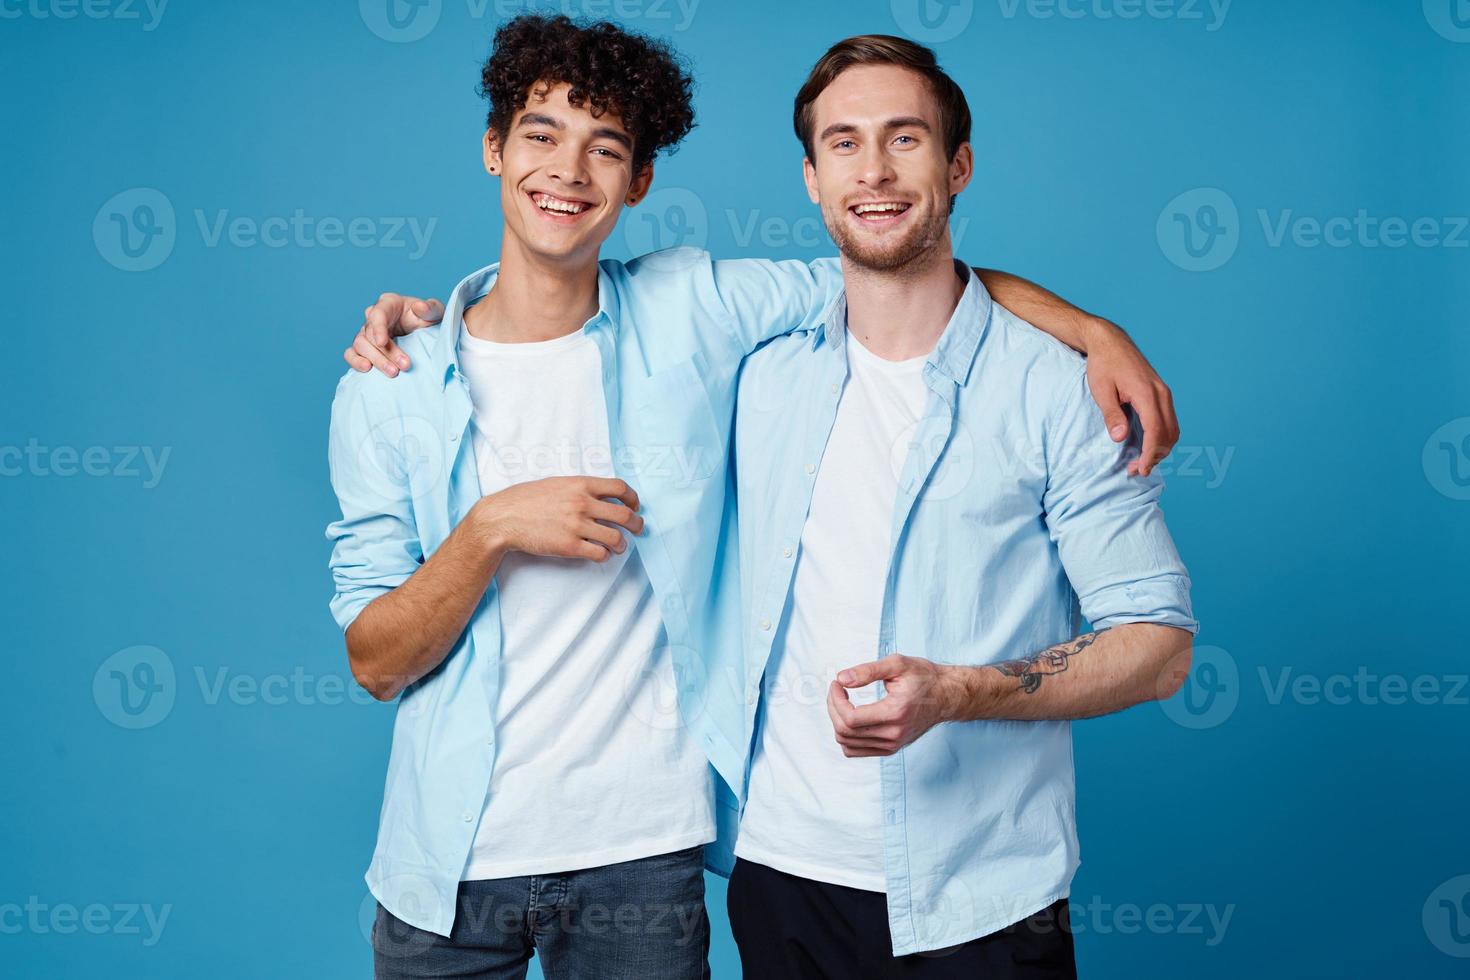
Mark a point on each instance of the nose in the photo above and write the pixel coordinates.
(875, 169)
(569, 165)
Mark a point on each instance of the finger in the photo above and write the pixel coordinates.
(1171, 419)
(590, 550)
(395, 354)
(356, 361)
(617, 489)
(881, 732)
(877, 748)
(1116, 420)
(837, 706)
(422, 313)
(864, 674)
(619, 514)
(865, 718)
(1153, 431)
(374, 355)
(381, 318)
(610, 538)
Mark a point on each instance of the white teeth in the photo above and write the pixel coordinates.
(560, 207)
(879, 208)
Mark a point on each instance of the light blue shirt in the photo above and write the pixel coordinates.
(671, 330)
(1014, 514)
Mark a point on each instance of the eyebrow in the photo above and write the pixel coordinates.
(897, 122)
(602, 132)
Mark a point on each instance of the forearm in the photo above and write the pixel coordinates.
(1046, 311)
(1089, 675)
(403, 635)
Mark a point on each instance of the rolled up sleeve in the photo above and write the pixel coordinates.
(375, 545)
(1107, 525)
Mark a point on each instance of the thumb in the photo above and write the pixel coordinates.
(864, 674)
(423, 313)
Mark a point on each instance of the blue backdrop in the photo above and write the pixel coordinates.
(199, 199)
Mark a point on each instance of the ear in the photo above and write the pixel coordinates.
(809, 173)
(638, 189)
(493, 162)
(961, 169)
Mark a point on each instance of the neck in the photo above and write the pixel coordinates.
(901, 313)
(533, 299)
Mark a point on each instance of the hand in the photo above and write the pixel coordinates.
(918, 694)
(391, 316)
(1119, 374)
(563, 516)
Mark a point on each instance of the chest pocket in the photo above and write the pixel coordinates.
(671, 437)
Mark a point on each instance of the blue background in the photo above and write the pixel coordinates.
(1333, 380)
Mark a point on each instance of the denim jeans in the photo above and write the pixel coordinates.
(641, 919)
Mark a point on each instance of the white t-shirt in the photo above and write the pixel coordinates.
(592, 766)
(812, 811)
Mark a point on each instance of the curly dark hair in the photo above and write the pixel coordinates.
(638, 78)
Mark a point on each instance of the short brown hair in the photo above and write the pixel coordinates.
(884, 49)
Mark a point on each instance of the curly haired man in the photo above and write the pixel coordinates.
(573, 711)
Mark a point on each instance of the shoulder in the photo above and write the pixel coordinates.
(1047, 368)
(376, 393)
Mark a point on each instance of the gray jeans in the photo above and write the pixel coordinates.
(641, 919)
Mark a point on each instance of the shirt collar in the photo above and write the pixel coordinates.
(474, 287)
(954, 355)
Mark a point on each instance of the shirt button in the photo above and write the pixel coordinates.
(765, 624)
(811, 468)
(750, 698)
(834, 389)
(786, 552)
(468, 816)
(454, 437)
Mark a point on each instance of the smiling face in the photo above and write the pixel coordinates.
(565, 175)
(879, 169)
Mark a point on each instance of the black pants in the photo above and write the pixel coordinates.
(791, 928)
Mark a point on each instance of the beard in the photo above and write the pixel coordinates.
(891, 252)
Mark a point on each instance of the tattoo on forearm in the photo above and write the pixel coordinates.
(1053, 660)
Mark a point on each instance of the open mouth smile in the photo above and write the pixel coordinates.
(559, 209)
(879, 212)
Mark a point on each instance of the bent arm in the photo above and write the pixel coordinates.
(1089, 675)
(402, 635)
(1117, 372)
(1047, 311)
